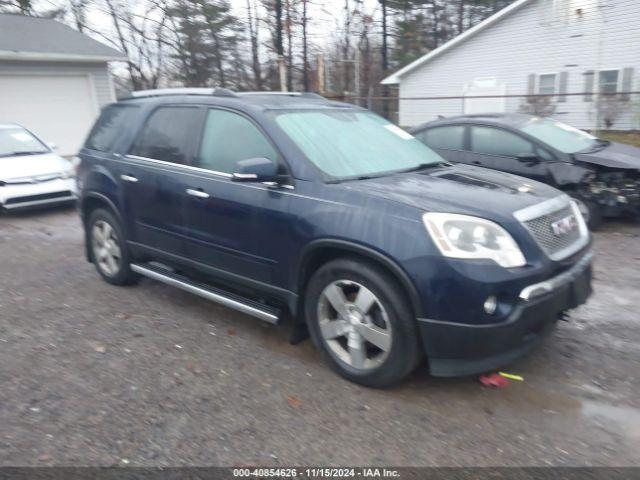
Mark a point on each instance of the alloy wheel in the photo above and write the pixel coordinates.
(106, 249)
(354, 324)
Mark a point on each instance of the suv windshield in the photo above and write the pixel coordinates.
(353, 144)
(559, 135)
(18, 141)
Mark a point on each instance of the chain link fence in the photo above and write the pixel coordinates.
(616, 113)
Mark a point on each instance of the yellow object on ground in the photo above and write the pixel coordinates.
(510, 376)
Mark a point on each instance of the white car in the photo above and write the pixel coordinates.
(31, 174)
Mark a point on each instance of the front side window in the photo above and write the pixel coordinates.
(558, 135)
(109, 127)
(449, 138)
(495, 141)
(229, 137)
(16, 141)
(608, 81)
(347, 144)
(547, 84)
(167, 135)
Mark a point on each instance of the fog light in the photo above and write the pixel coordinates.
(491, 304)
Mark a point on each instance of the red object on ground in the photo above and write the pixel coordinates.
(494, 380)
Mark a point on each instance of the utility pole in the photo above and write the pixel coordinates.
(357, 76)
(282, 72)
(385, 60)
(320, 73)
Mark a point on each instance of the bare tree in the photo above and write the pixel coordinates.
(253, 22)
(305, 48)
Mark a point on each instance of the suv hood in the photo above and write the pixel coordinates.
(32, 165)
(460, 189)
(614, 155)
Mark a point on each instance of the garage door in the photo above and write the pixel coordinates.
(57, 108)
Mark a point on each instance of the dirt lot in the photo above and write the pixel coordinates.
(99, 375)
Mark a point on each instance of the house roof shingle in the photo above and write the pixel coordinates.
(23, 37)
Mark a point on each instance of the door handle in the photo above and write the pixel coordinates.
(197, 193)
(129, 178)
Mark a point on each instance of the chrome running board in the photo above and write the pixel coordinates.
(250, 307)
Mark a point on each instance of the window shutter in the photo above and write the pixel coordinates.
(627, 81)
(531, 83)
(588, 85)
(562, 87)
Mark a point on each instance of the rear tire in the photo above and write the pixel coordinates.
(360, 319)
(109, 252)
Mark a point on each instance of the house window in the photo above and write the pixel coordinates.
(547, 84)
(608, 81)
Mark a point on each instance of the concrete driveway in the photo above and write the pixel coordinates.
(99, 375)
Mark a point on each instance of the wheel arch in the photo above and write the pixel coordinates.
(319, 252)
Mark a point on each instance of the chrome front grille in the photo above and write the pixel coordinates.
(539, 220)
(550, 242)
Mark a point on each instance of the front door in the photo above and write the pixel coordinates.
(499, 149)
(235, 228)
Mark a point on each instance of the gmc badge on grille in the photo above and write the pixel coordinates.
(564, 225)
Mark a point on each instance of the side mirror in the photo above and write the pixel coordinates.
(53, 146)
(528, 158)
(255, 170)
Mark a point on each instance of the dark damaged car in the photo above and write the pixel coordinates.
(293, 206)
(602, 176)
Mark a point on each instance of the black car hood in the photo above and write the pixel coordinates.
(460, 189)
(614, 155)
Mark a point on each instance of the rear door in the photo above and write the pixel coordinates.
(497, 148)
(235, 227)
(156, 175)
(449, 141)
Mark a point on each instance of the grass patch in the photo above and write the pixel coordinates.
(631, 138)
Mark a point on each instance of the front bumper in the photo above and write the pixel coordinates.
(29, 195)
(456, 349)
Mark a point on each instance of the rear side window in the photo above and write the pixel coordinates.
(494, 141)
(109, 126)
(220, 152)
(450, 138)
(168, 134)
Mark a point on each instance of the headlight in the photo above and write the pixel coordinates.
(464, 236)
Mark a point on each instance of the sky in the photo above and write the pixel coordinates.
(325, 17)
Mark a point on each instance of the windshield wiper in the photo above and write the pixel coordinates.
(424, 166)
(26, 152)
(600, 144)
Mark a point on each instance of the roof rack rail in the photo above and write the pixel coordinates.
(217, 92)
(287, 94)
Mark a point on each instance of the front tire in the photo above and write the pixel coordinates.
(360, 319)
(590, 210)
(109, 251)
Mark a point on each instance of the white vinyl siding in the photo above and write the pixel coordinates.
(525, 43)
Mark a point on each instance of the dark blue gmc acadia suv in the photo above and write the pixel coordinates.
(292, 205)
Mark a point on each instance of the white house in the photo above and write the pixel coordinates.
(533, 47)
(53, 79)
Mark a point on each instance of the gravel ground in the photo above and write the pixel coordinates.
(99, 375)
